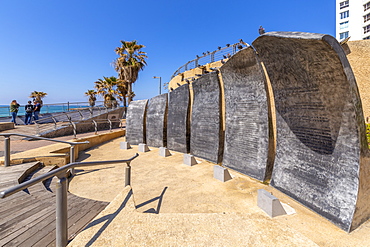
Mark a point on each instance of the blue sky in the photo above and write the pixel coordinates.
(63, 47)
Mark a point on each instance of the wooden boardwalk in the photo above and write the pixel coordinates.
(27, 218)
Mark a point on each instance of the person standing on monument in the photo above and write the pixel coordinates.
(261, 30)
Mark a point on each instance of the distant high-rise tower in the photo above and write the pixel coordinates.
(352, 19)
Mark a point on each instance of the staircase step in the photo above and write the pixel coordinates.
(47, 184)
(30, 171)
(11, 175)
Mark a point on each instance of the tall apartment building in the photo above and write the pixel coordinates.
(352, 19)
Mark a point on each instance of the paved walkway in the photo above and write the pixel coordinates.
(19, 144)
(171, 204)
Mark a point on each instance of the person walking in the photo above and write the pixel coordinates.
(14, 106)
(29, 110)
(36, 110)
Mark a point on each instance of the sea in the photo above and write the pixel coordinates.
(4, 109)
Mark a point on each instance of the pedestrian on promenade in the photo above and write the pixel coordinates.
(36, 110)
(14, 106)
(29, 110)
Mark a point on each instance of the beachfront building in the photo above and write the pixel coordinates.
(352, 19)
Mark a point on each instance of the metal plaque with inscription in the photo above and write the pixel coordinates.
(321, 141)
(247, 116)
(206, 139)
(156, 121)
(178, 127)
(135, 122)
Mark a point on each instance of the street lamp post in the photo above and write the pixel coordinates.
(160, 82)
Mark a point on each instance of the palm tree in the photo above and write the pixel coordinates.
(107, 89)
(37, 96)
(91, 93)
(130, 61)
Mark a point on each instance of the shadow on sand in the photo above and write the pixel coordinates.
(108, 219)
(152, 210)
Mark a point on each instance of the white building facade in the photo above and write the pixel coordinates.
(352, 19)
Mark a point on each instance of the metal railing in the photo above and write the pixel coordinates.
(76, 114)
(79, 117)
(105, 124)
(61, 192)
(7, 146)
(210, 57)
(56, 107)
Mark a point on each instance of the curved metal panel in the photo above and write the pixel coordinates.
(321, 142)
(178, 128)
(206, 133)
(135, 122)
(156, 121)
(247, 130)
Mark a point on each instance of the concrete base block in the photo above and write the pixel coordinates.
(143, 148)
(221, 173)
(189, 160)
(124, 145)
(6, 126)
(164, 152)
(269, 203)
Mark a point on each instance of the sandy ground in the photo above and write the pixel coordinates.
(177, 205)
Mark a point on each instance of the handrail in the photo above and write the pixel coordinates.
(210, 57)
(52, 107)
(61, 192)
(77, 116)
(57, 172)
(84, 122)
(7, 146)
(44, 138)
(59, 114)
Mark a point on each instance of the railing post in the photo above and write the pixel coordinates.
(72, 158)
(96, 127)
(213, 56)
(73, 126)
(74, 130)
(7, 151)
(81, 115)
(61, 212)
(55, 122)
(110, 125)
(38, 131)
(128, 174)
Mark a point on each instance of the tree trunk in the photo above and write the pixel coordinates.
(124, 103)
(129, 90)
